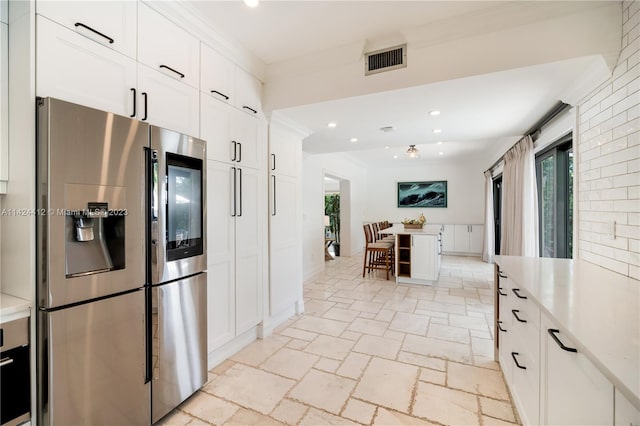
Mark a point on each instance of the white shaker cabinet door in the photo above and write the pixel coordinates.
(110, 23)
(248, 92)
(245, 132)
(220, 255)
(215, 128)
(626, 414)
(424, 252)
(476, 238)
(448, 238)
(461, 238)
(73, 68)
(283, 243)
(249, 218)
(167, 103)
(167, 48)
(217, 75)
(285, 151)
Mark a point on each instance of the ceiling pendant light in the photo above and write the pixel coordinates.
(412, 152)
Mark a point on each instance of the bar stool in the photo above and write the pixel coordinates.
(378, 254)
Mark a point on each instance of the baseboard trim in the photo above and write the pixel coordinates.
(232, 347)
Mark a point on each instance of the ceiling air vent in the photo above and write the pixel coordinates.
(385, 59)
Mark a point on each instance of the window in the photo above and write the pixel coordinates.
(554, 173)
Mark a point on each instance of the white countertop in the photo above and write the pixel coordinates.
(399, 229)
(597, 308)
(12, 308)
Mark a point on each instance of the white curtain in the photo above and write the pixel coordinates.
(488, 247)
(519, 228)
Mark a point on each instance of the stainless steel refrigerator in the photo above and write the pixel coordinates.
(121, 331)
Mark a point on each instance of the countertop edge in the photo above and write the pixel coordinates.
(12, 308)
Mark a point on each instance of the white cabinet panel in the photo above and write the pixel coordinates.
(110, 23)
(220, 255)
(215, 128)
(461, 238)
(574, 391)
(169, 103)
(476, 238)
(285, 152)
(4, 11)
(283, 243)
(448, 238)
(217, 75)
(626, 414)
(248, 250)
(165, 47)
(248, 92)
(424, 253)
(4, 103)
(246, 131)
(73, 68)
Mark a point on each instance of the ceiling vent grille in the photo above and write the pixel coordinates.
(385, 59)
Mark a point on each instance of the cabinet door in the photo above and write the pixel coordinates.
(4, 11)
(165, 47)
(75, 69)
(248, 249)
(169, 103)
(461, 238)
(220, 255)
(574, 391)
(505, 330)
(217, 75)
(4, 103)
(476, 238)
(626, 414)
(284, 253)
(448, 238)
(246, 132)
(284, 152)
(423, 257)
(110, 23)
(248, 92)
(215, 128)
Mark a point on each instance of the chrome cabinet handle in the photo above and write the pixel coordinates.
(515, 314)
(516, 292)
(552, 332)
(6, 361)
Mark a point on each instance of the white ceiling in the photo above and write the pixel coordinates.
(478, 113)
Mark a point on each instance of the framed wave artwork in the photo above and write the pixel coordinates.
(422, 194)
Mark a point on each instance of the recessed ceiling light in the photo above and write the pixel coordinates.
(434, 113)
(386, 147)
(354, 139)
(441, 153)
(251, 3)
(332, 124)
(437, 130)
(395, 156)
(439, 142)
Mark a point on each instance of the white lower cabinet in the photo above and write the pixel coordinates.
(425, 257)
(574, 391)
(233, 252)
(74, 68)
(464, 239)
(625, 413)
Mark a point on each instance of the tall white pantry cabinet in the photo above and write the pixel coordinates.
(129, 58)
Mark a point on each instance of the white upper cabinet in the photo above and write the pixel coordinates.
(215, 128)
(165, 47)
(248, 92)
(285, 151)
(246, 133)
(74, 68)
(165, 102)
(217, 75)
(111, 23)
(4, 11)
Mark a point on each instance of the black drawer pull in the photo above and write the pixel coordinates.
(515, 291)
(144, 94)
(552, 332)
(500, 327)
(515, 314)
(226, 98)
(80, 24)
(500, 292)
(134, 102)
(501, 275)
(172, 70)
(513, 355)
(250, 109)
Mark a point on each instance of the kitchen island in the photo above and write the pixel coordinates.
(418, 253)
(568, 340)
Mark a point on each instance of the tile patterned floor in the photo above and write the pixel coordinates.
(367, 351)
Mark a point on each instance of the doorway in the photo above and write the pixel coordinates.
(337, 234)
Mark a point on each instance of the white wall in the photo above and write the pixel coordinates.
(314, 167)
(465, 187)
(608, 155)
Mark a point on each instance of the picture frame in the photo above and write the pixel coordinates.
(422, 194)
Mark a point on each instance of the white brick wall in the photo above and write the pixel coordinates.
(608, 151)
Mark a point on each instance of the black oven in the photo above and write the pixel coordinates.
(15, 394)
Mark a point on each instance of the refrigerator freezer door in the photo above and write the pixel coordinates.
(93, 364)
(179, 321)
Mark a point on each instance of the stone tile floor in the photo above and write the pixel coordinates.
(367, 351)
